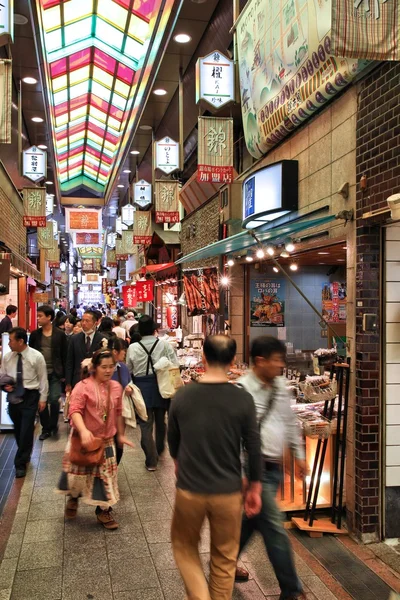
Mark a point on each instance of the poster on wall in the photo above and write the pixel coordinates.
(267, 303)
(334, 296)
(286, 68)
(201, 291)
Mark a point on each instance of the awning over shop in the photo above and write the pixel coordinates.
(272, 232)
(24, 266)
(194, 194)
(159, 269)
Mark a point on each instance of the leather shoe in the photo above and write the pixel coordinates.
(44, 435)
(20, 472)
(241, 574)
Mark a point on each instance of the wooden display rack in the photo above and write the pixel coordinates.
(319, 527)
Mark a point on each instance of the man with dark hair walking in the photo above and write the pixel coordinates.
(6, 323)
(278, 428)
(81, 346)
(207, 423)
(27, 368)
(52, 343)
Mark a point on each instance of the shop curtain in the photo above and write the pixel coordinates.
(34, 207)
(201, 291)
(142, 227)
(215, 153)
(167, 201)
(5, 101)
(366, 29)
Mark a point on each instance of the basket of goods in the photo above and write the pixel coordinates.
(326, 356)
(315, 426)
(318, 388)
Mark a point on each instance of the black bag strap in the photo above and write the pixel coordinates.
(268, 408)
(149, 359)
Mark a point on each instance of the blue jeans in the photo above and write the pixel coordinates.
(276, 540)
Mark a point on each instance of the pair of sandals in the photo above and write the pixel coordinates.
(103, 516)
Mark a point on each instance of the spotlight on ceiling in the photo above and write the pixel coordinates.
(135, 152)
(48, 183)
(290, 247)
(29, 80)
(270, 250)
(160, 92)
(294, 267)
(230, 262)
(42, 146)
(285, 254)
(126, 171)
(182, 38)
(260, 253)
(249, 256)
(275, 269)
(145, 127)
(225, 281)
(37, 119)
(20, 19)
(120, 185)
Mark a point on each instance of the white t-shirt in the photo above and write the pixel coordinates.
(120, 332)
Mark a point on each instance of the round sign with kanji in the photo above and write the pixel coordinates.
(34, 163)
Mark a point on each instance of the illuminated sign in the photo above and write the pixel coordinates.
(7, 18)
(215, 79)
(34, 163)
(167, 155)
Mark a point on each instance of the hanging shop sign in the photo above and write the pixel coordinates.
(142, 228)
(286, 68)
(128, 246)
(49, 204)
(201, 291)
(83, 220)
(370, 29)
(215, 79)
(215, 151)
(91, 265)
(34, 207)
(55, 229)
(167, 201)
(119, 251)
(7, 19)
(267, 303)
(167, 155)
(53, 256)
(142, 194)
(90, 251)
(128, 214)
(145, 291)
(129, 296)
(111, 237)
(5, 264)
(5, 101)
(34, 163)
(40, 297)
(107, 285)
(87, 239)
(111, 258)
(45, 236)
(93, 278)
(172, 316)
(269, 193)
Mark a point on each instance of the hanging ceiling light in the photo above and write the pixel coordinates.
(37, 119)
(249, 256)
(260, 253)
(160, 92)
(275, 269)
(230, 262)
(285, 254)
(182, 38)
(29, 80)
(224, 280)
(135, 152)
(270, 250)
(294, 267)
(290, 247)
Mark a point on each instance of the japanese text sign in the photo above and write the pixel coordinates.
(128, 246)
(119, 251)
(215, 79)
(129, 296)
(215, 150)
(83, 220)
(142, 194)
(167, 155)
(267, 302)
(167, 201)
(5, 101)
(142, 228)
(7, 18)
(45, 236)
(34, 163)
(88, 239)
(34, 207)
(145, 291)
(111, 258)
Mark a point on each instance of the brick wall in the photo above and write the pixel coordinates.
(377, 156)
(12, 230)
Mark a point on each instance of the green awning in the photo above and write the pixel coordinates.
(266, 233)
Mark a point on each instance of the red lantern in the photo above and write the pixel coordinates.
(172, 316)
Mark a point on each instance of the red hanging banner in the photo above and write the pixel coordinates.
(145, 291)
(129, 295)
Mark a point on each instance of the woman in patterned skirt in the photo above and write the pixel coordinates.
(95, 410)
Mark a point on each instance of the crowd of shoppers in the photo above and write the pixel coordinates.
(226, 440)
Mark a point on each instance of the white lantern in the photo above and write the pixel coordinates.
(119, 225)
(111, 237)
(128, 214)
(49, 204)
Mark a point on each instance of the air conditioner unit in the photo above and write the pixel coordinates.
(230, 203)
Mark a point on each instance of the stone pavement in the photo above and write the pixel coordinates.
(48, 558)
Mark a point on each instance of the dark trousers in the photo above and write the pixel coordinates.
(23, 416)
(119, 451)
(49, 416)
(151, 448)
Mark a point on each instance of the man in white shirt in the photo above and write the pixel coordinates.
(140, 360)
(28, 369)
(129, 322)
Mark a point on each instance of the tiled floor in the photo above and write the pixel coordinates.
(47, 558)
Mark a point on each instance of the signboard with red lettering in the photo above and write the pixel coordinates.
(167, 201)
(129, 295)
(145, 291)
(34, 207)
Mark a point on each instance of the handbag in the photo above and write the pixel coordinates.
(93, 455)
(168, 380)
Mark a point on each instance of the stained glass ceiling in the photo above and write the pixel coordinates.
(96, 59)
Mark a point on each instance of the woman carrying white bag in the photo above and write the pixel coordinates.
(141, 360)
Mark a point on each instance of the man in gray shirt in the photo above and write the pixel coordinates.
(207, 423)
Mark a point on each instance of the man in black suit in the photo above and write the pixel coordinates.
(51, 342)
(81, 346)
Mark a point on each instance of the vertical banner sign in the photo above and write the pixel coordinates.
(366, 29)
(5, 101)
(34, 207)
(5, 264)
(286, 68)
(111, 258)
(88, 239)
(128, 247)
(167, 201)
(7, 19)
(215, 151)
(145, 291)
(142, 194)
(119, 251)
(267, 303)
(129, 296)
(45, 236)
(167, 155)
(201, 291)
(83, 220)
(53, 255)
(34, 163)
(215, 79)
(142, 228)
(107, 285)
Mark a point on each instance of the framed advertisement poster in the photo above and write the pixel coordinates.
(267, 302)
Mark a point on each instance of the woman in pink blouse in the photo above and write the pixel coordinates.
(95, 410)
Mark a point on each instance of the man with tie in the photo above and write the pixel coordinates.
(28, 369)
(81, 346)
